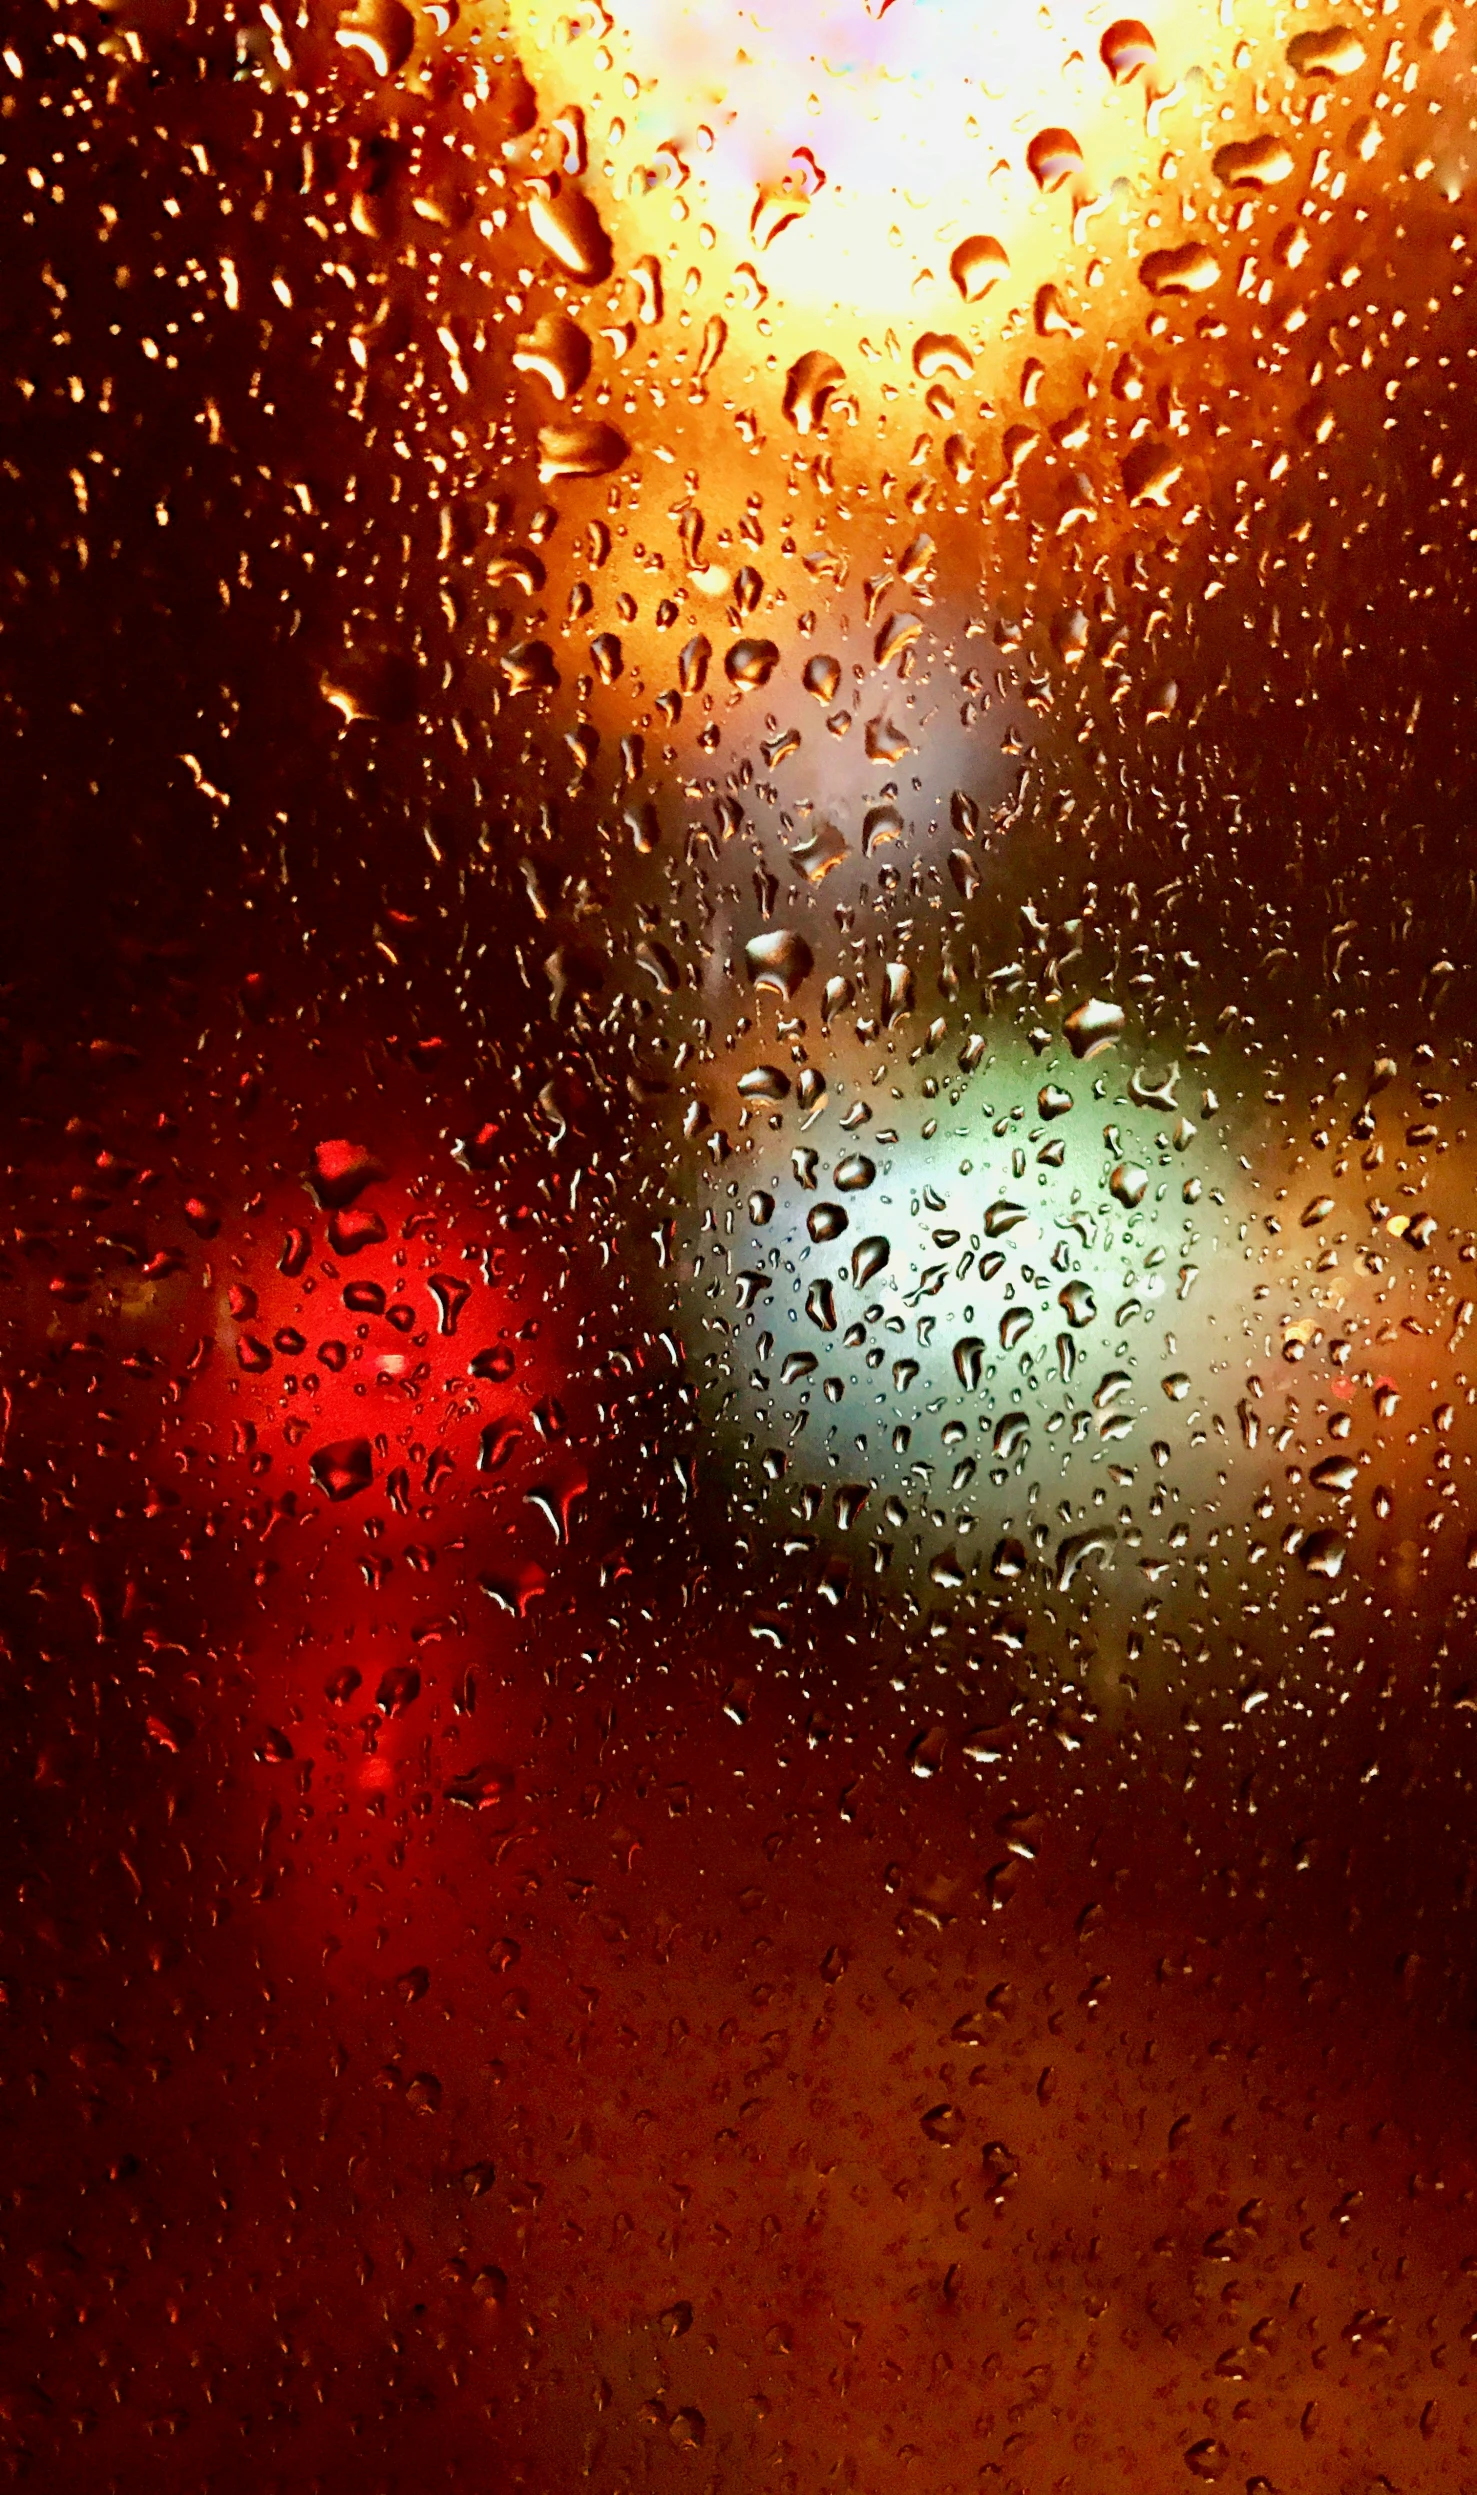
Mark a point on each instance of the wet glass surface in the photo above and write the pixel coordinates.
(739, 1247)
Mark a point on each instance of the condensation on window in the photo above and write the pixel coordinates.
(736, 1422)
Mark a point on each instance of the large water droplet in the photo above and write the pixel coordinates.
(750, 664)
(1093, 1026)
(1150, 473)
(938, 351)
(1326, 52)
(590, 448)
(854, 1171)
(380, 33)
(868, 1258)
(781, 960)
(343, 1468)
(1127, 48)
(977, 264)
(557, 349)
(1053, 157)
(1252, 164)
(1185, 269)
(568, 226)
(1323, 1553)
(809, 385)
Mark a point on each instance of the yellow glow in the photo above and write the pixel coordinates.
(846, 154)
